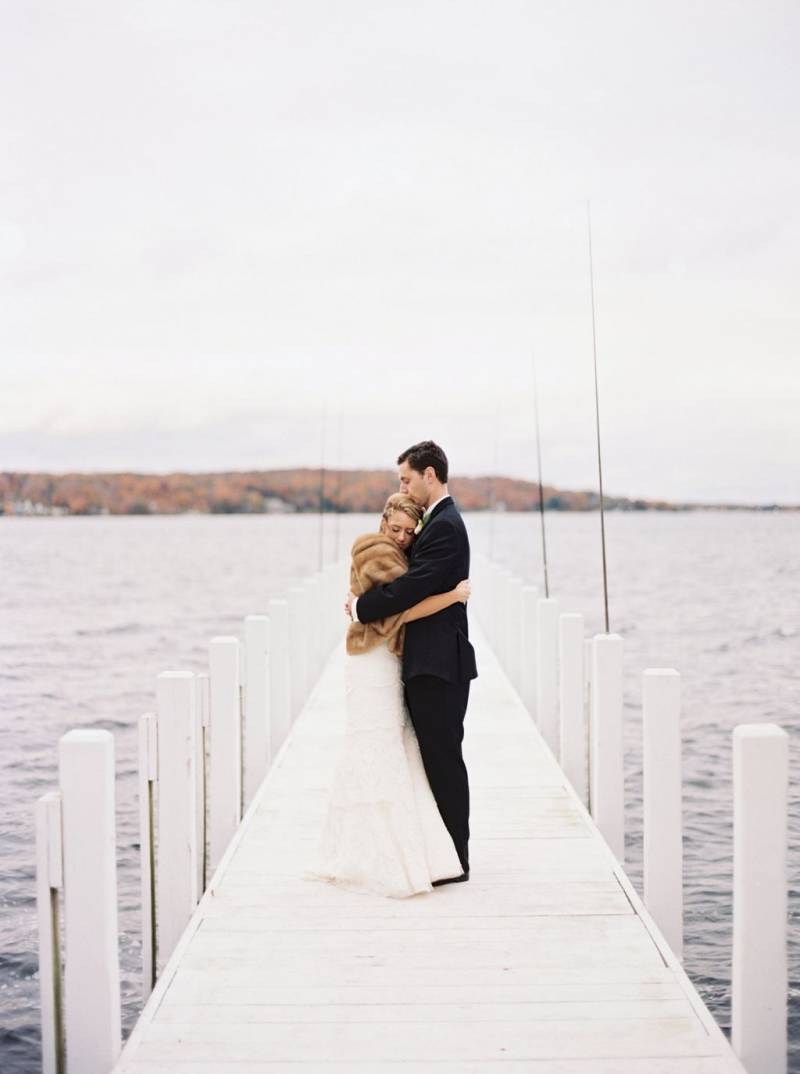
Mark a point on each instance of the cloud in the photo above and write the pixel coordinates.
(206, 249)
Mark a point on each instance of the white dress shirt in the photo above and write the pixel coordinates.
(428, 510)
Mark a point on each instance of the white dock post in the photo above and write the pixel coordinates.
(529, 651)
(327, 604)
(479, 576)
(340, 587)
(298, 654)
(338, 619)
(607, 787)
(334, 613)
(314, 628)
(93, 1034)
(514, 628)
(501, 616)
(257, 752)
(279, 674)
(572, 722)
(49, 881)
(203, 724)
(496, 617)
(486, 605)
(588, 659)
(475, 604)
(547, 672)
(486, 608)
(760, 970)
(662, 790)
(490, 603)
(325, 587)
(310, 623)
(225, 756)
(308, 618)
(335, 619)
(148, 774)
(176, 867)
(322, 611)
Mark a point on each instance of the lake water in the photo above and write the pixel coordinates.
(94, 608)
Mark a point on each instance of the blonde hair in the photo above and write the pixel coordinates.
(401, 501)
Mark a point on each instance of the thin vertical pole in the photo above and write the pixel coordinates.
(338, 493)
(321, 555)
(49, 881)
(204, 723)
(148, 773)
(493, 488)
(152, 949)
(597, 414)
(539, 463)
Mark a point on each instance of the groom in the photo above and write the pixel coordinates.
(438, 659)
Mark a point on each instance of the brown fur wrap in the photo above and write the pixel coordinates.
(375, 559)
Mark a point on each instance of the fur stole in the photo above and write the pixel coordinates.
(376, 559)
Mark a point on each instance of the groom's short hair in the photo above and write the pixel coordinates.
(424, 454)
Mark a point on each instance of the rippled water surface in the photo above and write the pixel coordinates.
(93, 608)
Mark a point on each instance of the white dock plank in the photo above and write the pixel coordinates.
(600, 1065)
(413, 1013)
(546, 961)
(381, 1041)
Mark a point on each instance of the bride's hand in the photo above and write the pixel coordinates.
(464, 590)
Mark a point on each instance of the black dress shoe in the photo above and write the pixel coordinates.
(451, 880)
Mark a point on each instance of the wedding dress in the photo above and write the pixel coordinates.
(383, 832)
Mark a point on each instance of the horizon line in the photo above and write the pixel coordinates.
(383, 469)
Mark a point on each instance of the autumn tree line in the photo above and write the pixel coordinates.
(261, 491)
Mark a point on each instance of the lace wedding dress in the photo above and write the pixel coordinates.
(383, 832)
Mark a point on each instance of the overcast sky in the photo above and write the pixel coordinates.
(227, 226)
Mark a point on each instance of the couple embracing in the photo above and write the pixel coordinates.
(398, 815)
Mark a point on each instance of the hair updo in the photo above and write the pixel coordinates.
(401, 501)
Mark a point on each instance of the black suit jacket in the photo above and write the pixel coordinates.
(439, 644)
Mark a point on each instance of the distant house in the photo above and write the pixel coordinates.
(274, 505)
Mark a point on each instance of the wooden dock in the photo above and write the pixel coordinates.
(545, 961)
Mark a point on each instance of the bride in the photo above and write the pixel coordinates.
(383, 832)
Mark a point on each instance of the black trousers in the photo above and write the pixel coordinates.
(437, 710)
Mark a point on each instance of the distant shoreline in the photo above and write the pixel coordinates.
(293, 491)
